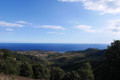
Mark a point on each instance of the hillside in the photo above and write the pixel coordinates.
(25, 63)
(89, 64)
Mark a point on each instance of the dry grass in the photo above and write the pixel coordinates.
(4, 77)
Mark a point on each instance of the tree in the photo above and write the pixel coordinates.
(9, 67)
(6, 53)
(40, 71)
(26, 70)
(112, 62)
(86, 72)
(57, 74)
(72, 76)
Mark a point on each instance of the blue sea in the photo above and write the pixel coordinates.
(50, 46)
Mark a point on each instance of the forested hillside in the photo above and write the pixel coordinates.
(89, 64)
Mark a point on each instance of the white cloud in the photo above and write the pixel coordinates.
(55, 33)
(23, 22)
(6, 24)
(9, 29)
(85, 28)
(114, 27)
(103, 6)
(70, 0)
(51, 27)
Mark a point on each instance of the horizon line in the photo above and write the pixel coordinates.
(50, 43)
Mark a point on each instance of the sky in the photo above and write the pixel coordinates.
(59, 21)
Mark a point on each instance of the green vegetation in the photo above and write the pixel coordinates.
(89, 64)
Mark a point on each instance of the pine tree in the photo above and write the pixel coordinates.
(112, 62)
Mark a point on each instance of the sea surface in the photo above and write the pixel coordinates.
(50, 46)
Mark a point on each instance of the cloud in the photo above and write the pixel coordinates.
(85, 28)
(51, 27)
(70, 0)
(9, 29)
(114, 27)
(103, 6)
(6, 24)
(55, 33)
(23, 22)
